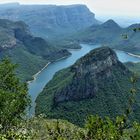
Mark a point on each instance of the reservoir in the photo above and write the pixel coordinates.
(37, 85)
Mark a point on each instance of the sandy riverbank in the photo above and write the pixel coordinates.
(35, 75)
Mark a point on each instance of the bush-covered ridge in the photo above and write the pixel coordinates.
(71, 85)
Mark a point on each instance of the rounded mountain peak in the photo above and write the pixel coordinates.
(110, 23)
(99, 54)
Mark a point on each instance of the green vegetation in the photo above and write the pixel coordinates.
(13, 99)
(31, 53)
(28, 64)
(134, 67)
(66, 44)
(110, 101)
(54, 129)
(15, 126)
(95, 128)
(116, 98)
(111, 34)
(70, 94)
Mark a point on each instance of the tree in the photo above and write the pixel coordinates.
(14, 97)
(99, 128)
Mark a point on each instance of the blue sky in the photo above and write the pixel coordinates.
(100, 7)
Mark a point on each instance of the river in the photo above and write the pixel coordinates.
(37, 85)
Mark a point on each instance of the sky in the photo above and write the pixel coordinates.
(99, 7)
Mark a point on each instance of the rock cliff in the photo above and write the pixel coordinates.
(98, 83)
(50, 20)
(88, 73)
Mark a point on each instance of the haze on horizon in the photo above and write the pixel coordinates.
(100, 7)
(125, 12)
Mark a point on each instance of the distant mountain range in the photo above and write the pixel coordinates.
(50, 21)
(19, 24)
(111, 34)
(97, 83)
(64, 25)
(8, 5)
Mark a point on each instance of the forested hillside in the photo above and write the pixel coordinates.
(111, 34)
(14, 125)
(31, 53)
(98, 83)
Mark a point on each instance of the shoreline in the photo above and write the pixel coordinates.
(61, 58)
(35, 75)
(131, 54)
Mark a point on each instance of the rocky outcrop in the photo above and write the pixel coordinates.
(89, 73)
(8, 44)
(15, 34)
(98, 83)
(7, 33)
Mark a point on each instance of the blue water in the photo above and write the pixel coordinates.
(124, 57)
(36, 86)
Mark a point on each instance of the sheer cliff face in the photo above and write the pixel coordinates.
(7, 33)
(91, 74)
(51, 19)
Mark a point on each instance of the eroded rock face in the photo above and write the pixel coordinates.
(51, 19)
(8, 43)
(8, 39)
(91, 73)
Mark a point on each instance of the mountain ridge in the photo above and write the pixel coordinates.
(17, 43)
(111, 34)
(93, 85)
(92, 67)
(109, 23)
(51, 20)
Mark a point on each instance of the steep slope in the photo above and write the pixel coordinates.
(132, 43)
(110, 33)
(96, 84)
(31, 53)
(51, 20)
(134, 67)
(107, 32)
